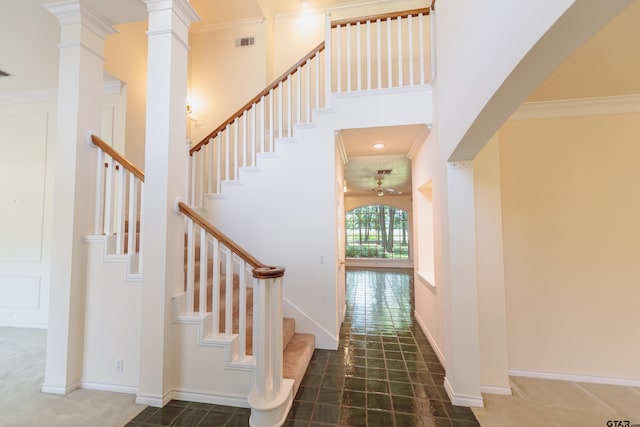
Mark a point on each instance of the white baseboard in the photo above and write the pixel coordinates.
(156, 401)
(324, 339)
(462, 400)
(432, 341)
(6, 324)
(593, 379)
(192, 396)
(493, 389)
(113, 388)
(215, 399)
(59, 389)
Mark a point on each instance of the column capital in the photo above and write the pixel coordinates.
(73, 12)
(182, 8)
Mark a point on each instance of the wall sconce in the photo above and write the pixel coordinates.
(304, 4)
(189, 110)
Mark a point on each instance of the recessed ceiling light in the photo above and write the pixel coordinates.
(378, 146)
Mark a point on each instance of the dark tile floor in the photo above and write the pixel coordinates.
(384, 372)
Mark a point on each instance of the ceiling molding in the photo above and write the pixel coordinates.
(357, 3)
(578, 107)
(341, 147)
(226, 25)
(420, 138)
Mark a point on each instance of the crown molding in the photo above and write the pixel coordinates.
(578, 107)
(78, 12)
(112, 87)
(227, 25)
(357, 3)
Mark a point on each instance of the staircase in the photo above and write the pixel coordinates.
(269, 177)
(298, 347)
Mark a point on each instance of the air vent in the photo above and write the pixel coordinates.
(245, 41)
(4, 74)
(384, 171)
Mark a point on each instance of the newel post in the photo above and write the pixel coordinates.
(271, 396)
(328, 60)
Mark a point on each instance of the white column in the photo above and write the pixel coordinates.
(460, 293)
(165, 167)
(80, 82)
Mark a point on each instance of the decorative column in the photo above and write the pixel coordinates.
(460, 293)
(165, 180)
(80, 86)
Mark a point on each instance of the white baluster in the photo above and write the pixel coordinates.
(236, 156)
(120, 212)
(348, 59)
(242, 319)
(100, 193)
(227, 154)
(215, 289)
(254, 142)
(204, 269)
(410, 49)
(379, 51)
(358, 57)
(339, 59)
(218, 141)
(108, 197)
(400, 72)
(308, 101)
(190, 265)
(328, 60)
(262, 127)
(289, 108)
(133, 211)
(389, 56)
(280, 111)
(271, 121)
(228, 318)
(421, 46)
(298, 96)
(368, 63)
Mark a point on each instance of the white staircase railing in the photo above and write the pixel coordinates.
(376, 52)
(119, 193)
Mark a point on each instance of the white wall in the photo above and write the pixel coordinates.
(428, 298)
(27, 154)
(27, 145)
(571, 233)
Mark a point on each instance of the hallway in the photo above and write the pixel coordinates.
(385, 372)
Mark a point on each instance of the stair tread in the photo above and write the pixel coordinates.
(297, 356)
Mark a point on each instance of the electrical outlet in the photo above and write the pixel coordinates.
(119, 366)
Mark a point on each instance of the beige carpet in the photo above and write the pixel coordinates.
(545, 403)
(22, 360)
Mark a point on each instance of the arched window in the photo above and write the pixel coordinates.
(377, 231)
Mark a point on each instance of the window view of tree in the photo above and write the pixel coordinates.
(377, 231)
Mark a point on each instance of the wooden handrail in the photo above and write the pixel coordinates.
(291, 71)
(260, 270)
(382, 17)
(98, 142)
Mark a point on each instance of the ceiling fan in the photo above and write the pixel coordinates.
(382, 191)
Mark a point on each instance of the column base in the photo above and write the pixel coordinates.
(272, 413)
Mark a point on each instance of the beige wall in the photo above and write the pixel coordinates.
(126, 59)
(571, 242)
(224, 77)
